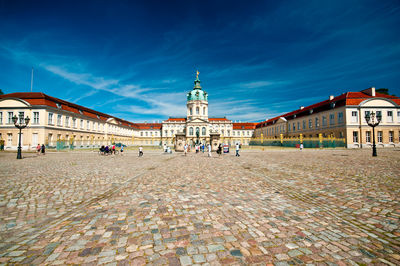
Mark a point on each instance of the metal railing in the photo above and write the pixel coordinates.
(320, 142)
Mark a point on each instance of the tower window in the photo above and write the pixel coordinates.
(197, 110)
(191, 111)
(204, 111)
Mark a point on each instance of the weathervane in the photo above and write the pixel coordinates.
(197, 74)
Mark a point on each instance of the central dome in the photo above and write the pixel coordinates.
(197, 93)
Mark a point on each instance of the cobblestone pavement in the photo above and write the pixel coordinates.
(282, 207)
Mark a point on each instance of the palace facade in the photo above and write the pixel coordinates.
(342, 116)
(54, 121)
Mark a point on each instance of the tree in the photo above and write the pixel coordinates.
(383, 91)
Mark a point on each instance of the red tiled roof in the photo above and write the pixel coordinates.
(148, 125)
(345, 99)
(244, 125)
(218, 119)
(175, 119)
(39, 98)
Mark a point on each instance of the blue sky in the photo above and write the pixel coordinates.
(257, 59)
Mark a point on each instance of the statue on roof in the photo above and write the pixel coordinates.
(197, 74)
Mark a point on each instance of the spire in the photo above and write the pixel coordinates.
(197, 81)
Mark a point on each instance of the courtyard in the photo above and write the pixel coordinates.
(278, 206)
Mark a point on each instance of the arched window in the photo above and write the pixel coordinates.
(191, 111)
(191, 131)
(204, 111)
(197, 131)
(197, 110)
(203, 131)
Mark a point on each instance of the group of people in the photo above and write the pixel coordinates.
(105, 150)
(201, 147)
(40, 149)
(109, 150)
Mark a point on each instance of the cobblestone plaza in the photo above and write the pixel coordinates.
(273, 206)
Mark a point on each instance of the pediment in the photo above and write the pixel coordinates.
(281, 120)
(197, 120)
(375, 102)
(112, 120)
(13, 102)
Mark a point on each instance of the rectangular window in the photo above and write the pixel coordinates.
(390, 116)
(294, 127)
(298, 125)
(36, 118)
(366, 113)
(324, 122)
(9, 139)
(1, 118)
(309, 123)
(380, 136)
(88, 125)
(59, 120)
(316, 122)
(368, 136)
(10, 116)
(50, 118)
(331, 119)
(21, 117)
(81, 123)
(354, 117)
(74, 122)
(355, 136)
(379, 113)
(304, 124)
(340, 117)
(391, 133)
(67, 121)
(398, 116)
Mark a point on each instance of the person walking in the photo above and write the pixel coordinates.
(140, 151)
(43, 149)
(209, 149)
(185, 147)
(38, 148)
(237, 150)
(219, 151)
(122, 150)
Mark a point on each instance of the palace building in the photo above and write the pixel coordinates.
(342, 116)
(54, 121)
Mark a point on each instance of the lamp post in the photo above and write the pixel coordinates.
(20, 123)
(373, 120)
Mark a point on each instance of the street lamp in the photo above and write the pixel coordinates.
(20, 123)
(373, 120)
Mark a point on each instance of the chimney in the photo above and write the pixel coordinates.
(331, 97)
(370, 91)
(301, 107)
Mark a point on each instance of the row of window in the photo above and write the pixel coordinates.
(197, 111)
(90, 125)
(389, 116)
(142, 134)
(20, 115)
(303, 125)
(368, 138)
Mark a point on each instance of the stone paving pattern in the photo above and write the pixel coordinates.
(280, 207)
